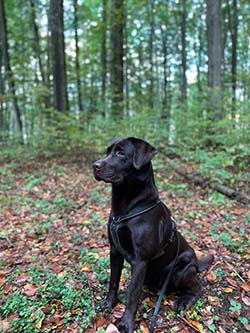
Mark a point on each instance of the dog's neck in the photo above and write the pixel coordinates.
(128, 195)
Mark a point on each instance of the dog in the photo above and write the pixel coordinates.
(142, 231)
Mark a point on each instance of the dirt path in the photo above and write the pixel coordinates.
(54, 253)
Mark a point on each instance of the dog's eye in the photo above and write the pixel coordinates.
(119, 153)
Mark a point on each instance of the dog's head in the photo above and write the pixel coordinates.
(126, 159)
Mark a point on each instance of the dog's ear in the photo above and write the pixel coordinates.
(114, 142)
(144, 152)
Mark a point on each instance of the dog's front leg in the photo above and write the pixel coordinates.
(137, 280)
(116, 265)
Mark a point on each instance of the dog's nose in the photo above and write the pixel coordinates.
(97, 165)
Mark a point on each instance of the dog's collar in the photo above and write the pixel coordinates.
(137, 211)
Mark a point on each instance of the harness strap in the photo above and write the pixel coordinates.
(116, 222)
(164, 287)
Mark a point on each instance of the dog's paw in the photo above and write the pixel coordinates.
(184, 302)
(108, 304)
(124, 327)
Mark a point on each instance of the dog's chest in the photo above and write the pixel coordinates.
(121, 237)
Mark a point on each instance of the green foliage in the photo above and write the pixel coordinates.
(235, 306)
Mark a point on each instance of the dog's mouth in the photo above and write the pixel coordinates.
(107, 177)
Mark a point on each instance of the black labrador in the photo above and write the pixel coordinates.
(142, 231)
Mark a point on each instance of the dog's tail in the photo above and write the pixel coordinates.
(204, 262)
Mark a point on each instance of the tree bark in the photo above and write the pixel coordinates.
(8, 70)
(116, 70)
(213, 20)
(151, 5)
(38, 51)
(1, 95)
(233, 27)
(58, 55)
(77, 63)
(183, 55)
(104, 54)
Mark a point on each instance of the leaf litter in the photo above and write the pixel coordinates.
(54, 254)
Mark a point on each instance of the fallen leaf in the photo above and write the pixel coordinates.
(227, 290)
(213, 300)
(112, 329)
(221, 330)
(212, 277)
(119, 310)
(246, 300)
(4, 325)
(23, 279)
(144, 329)
(246, 286)
(86, 269)
(30, 290)
(2, 274)
(196, 324)
(232, 282)
(2, 281)
(40, 322)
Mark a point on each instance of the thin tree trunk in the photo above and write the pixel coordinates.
(1, 96)
(104, 54)
(6, 61)
(126, 76)
(199, 60)
(77, 63)
(38, 50)
(183, 55)
(165, 101)
(58, 55)
(213, 21)
(116, 71)
(151, 5)
(233, 27)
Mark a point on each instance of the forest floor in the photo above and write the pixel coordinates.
(54, 252)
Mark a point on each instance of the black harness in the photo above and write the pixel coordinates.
(118, 221)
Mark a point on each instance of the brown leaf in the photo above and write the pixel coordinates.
(144, 329)
(2, 274)
(246, 286)
(119, 310)
(227, 290)
(2, 281)
(4, 325)
(246, 300)
(213, 300)
(112, 329)
(212, 277)
(23, 279)
(196, 324)
(232, 282)
(30, 290)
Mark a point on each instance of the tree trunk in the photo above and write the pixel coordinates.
(104, 54)
(58, 55)
(1, 96)
(126, 76)
(9, 73)
(38, 50)
(200, 51)
(151, 5)
(183, 55)
(116, 70)
(213, 20)
(77, 63)
(166, 99)
(233, 27)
